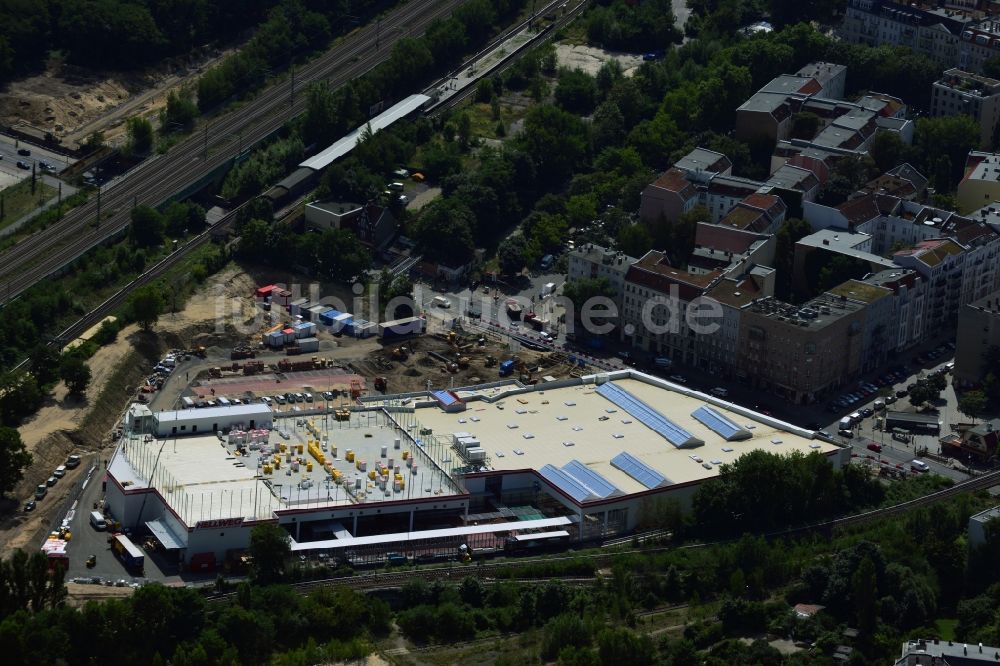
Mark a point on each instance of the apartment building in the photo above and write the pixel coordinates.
(592, 261)
(816, 250)
(697, 181)
(903, 182)
(801, 352)
(936, 32)
(940, 262)
(978, 331)
(980, 186)
(980, 41)
(878, 331)
(655, 309)
(909, 291)
(959, 92)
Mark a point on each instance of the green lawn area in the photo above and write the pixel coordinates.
(18, 200)
(946, 629)
(483, 124)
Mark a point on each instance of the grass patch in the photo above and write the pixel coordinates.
(43, 220)
(574, 34)
(946, 628)
(484, 125)
(18, 200)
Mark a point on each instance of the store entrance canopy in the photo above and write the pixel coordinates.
(164, 535)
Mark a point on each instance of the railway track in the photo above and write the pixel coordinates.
(156, 180)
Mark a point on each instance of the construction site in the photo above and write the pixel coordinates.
(430, 361)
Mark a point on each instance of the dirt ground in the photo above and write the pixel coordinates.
(67, 425)
(72, 102)
(590, 59)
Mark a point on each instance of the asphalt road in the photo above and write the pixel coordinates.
(162, 176)
(9, 158)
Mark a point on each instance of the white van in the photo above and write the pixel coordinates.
(855, 417)
(919, 466)
(846, 423)
(59, 472)
(879, 405)
(187, 403)
(223, 401)
(97, 521)
(548, 289)
(441, 302)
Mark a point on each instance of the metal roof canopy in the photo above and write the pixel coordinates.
(164, 535)
(346, 144)
(397, 537)
(910, 417)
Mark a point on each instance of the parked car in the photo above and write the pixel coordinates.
(29, 506)
(875, 446)
(867, 412)
(23, 165)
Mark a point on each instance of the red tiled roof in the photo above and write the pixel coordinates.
(674, 180)
(654, 272)
(811, 87)
(860, 210)
(817, 166)
(773, 205)
(724, 239)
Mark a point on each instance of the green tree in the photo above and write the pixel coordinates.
(444, 232)
(14, 458)
(269, 548)
(608, 126)
(942, 144)
(920, 394)
(634, 240)
(791, 231)
(973, 404)
(864, 595)
(145, 305)
(991, 67)
(576, 91)
(45, 364)
(888, 150)
(556, 140)
(140, 135)
(75, 372)
(146, 229)
(580, 291)
(511, 253)
(179, 113)
(20, 396)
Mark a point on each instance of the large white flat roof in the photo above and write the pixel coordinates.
(555, 426)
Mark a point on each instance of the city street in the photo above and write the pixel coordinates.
(9, 171)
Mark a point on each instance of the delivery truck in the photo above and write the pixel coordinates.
(130, 555)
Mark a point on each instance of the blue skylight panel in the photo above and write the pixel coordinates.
(639, 470)
(719, 424)
(565, 483)
(648, 416)
(596, 483)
